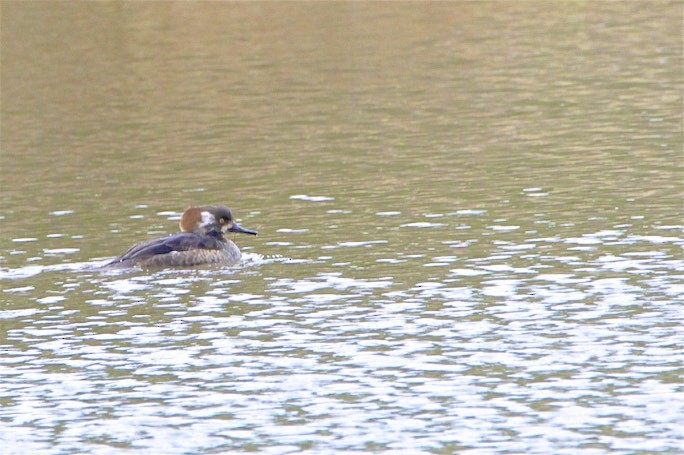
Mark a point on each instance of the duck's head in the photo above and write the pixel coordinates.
(210, 218)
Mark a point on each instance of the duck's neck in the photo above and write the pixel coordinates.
(217, 234)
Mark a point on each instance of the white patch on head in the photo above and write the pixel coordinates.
(208, 218)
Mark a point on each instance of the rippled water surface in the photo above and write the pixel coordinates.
(470, 220)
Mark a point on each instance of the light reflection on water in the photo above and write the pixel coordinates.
(533, 357)
(470, 231)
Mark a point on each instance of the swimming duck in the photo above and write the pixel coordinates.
(201, 241)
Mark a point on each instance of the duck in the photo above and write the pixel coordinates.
(201, 241)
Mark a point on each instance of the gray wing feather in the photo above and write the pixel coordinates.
(178, 242)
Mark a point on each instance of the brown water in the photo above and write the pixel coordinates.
(470, 221)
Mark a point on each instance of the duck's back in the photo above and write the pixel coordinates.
(179, 250)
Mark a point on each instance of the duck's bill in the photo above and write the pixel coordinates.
(239, 229)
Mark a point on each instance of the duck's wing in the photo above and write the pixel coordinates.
(178, 242)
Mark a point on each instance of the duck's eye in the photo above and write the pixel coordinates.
(223, 220)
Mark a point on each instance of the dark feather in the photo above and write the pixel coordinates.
(179, 242)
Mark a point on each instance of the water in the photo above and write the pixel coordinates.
(469, 216)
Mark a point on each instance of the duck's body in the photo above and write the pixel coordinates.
(201, 241)
(180, 250)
